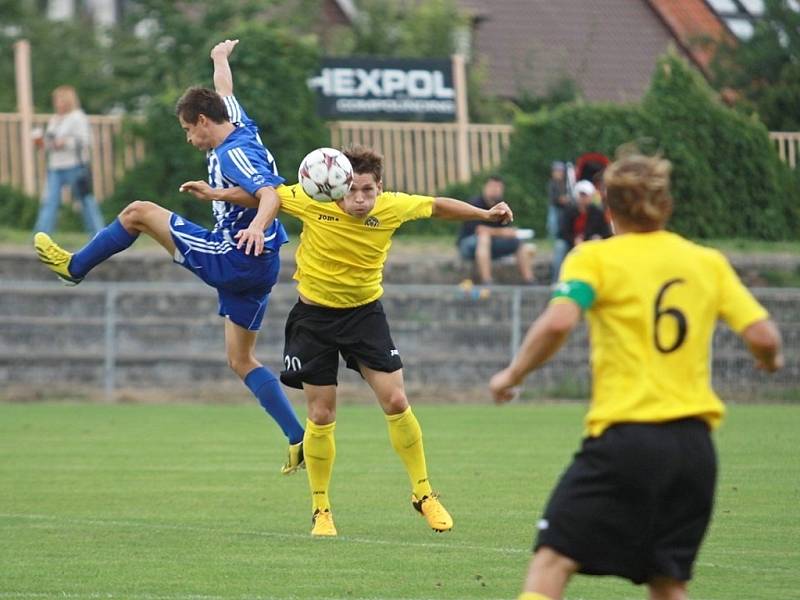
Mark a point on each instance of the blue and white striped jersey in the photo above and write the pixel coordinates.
(243, 160)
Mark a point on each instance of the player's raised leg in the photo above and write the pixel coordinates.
(319, 447)
(138, 217)
(406, 437)
(240, 346)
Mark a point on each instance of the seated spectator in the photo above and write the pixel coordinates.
(586, 220)
(484, 242)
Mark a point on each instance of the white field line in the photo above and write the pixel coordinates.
(276, 535)
(260, 533)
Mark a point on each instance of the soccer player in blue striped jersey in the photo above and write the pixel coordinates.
(242, 268)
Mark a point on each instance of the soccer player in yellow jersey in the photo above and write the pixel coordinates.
(637, 498)
(340, 259)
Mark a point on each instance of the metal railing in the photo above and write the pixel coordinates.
(160, 335)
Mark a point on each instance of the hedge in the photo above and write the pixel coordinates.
(727, 180)
(269, 81)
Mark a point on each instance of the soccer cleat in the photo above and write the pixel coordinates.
(295, 460)
(55, 257)
(322, 522)
(435, 514)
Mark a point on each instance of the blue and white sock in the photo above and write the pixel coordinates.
(108, 241)
(266, 387)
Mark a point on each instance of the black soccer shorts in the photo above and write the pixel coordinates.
(316, 335)
(635, 502)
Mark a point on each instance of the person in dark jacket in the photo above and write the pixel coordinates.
(585, 220)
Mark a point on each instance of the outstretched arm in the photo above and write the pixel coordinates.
(266, 200)
(223, 78)
(544, 338)
(235, 195)
(763, 339)
(456, 210)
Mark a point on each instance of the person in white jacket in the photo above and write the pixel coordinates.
(67, 141)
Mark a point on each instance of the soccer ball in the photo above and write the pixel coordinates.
(325, 174)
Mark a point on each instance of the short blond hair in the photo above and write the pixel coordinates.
(69, 94)
(637, 190)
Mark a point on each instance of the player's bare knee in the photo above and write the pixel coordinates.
(547, 559)
(134, 215)
(321, 414)
(396, 402)
(241, 364)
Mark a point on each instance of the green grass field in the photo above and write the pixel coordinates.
(184, 502)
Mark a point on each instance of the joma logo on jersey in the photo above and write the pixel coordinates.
(327, 218)
(372, 222)
(394, 352)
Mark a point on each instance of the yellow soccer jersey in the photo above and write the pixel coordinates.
(657, 298)
(340, 258)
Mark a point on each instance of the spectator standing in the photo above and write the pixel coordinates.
(557, 196)
(580, 222)
(484, 242)
(67, 142)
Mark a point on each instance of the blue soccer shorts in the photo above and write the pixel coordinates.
(243, 282)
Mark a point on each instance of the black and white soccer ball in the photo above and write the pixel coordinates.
(325, 174)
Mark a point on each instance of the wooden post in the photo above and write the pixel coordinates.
(462, 116)
(22, 69)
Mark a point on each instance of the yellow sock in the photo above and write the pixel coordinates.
(406, 437)
(532, 596)
(319, 450)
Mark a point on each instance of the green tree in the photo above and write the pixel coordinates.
(270, 68)
(61, 53)
(386, 28)
(765, 69)
(727, 178)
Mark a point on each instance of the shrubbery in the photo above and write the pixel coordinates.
(269, 72)
(727, 181)
(19, 209)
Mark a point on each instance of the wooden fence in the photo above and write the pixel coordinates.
(114, 151)
(420, 157)
(423, 157)
(788, 144)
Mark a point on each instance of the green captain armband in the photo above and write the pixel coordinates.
(580, 292)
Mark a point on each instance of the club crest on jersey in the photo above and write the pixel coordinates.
(372, 222)
(258, 179)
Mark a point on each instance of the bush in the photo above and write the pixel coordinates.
(20, 210)
(727, 181)
(560, 134)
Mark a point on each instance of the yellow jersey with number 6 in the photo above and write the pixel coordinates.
(657, 298)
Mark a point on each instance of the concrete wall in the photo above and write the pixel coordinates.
(166, 336)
